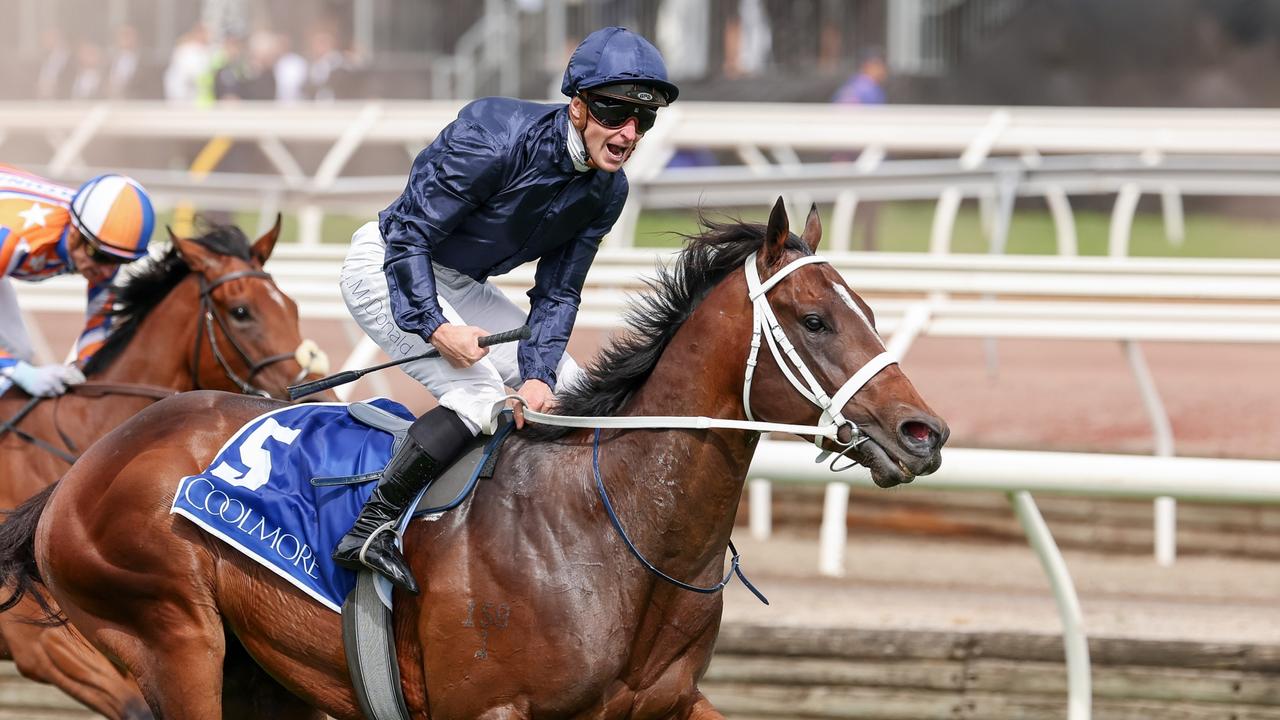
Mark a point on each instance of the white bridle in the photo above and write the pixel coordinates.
(765, 324)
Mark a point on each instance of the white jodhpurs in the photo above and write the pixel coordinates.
(13, 331)
(475, 393)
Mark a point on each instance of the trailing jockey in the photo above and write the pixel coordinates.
(505, 183)
(48, 230)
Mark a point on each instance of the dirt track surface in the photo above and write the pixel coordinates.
(1223, 400)
(945, 584)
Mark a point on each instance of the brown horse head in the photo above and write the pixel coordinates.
(749, 323)
(890, 429)
(226, 325)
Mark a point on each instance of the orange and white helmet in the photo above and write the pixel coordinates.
(114, 215)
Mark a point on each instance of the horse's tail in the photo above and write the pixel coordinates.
(18, 571)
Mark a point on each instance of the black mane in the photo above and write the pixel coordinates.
(653, 318)
(137, 297)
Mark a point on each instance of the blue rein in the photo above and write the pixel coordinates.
(617, 524)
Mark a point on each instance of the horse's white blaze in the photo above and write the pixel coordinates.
(848, 300)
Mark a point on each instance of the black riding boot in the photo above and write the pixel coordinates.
(433, 443)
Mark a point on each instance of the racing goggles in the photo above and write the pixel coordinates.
(98, 255)
(613, 113)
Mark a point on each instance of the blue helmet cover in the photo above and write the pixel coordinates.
(613, 55)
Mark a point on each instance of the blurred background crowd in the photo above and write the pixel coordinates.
(1069, 52)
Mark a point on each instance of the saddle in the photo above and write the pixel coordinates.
(367, 632)
(448, 491)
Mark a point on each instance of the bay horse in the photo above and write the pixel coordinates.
(531, 605)
(203, 315)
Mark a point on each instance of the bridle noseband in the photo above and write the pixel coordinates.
(206, 310)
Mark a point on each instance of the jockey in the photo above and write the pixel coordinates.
(48, 230)
(505, 183)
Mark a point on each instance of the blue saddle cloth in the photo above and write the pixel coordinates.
(257, 494)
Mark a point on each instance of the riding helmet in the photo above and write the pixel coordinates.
(114, 214)
(628, 65)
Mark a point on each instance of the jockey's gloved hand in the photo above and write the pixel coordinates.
(45, 380)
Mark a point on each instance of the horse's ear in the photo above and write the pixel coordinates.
(775, 235)
(263, 246)
(812, 228)
(193, 253)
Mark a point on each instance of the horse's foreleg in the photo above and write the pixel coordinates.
(177, 659)
(61, 657)
(703, 710)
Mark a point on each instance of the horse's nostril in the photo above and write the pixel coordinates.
(917, 431)
(919, 435)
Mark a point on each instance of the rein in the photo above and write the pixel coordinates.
(88, 389)
(764, 324)
(736, 569)
(210, 317)
(11, 425)
(103, 389)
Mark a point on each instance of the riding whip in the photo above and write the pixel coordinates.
(346, 376)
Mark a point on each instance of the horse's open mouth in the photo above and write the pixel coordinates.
(890, 468)
(886, 471)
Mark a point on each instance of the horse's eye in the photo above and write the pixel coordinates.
(813, 323)
(240, 312)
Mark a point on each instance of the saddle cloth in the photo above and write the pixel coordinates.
(258, 494)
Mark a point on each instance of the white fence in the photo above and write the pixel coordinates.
(770, 140)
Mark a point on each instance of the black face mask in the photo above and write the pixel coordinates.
(613, 113)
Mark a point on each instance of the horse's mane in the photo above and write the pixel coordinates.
(141, 293)
(653, 318)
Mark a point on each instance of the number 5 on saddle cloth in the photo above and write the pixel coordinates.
(287, 486)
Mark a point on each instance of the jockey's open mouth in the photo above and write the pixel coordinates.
(619, 152)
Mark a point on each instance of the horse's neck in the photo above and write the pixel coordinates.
(159, 353)
(686, 485)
